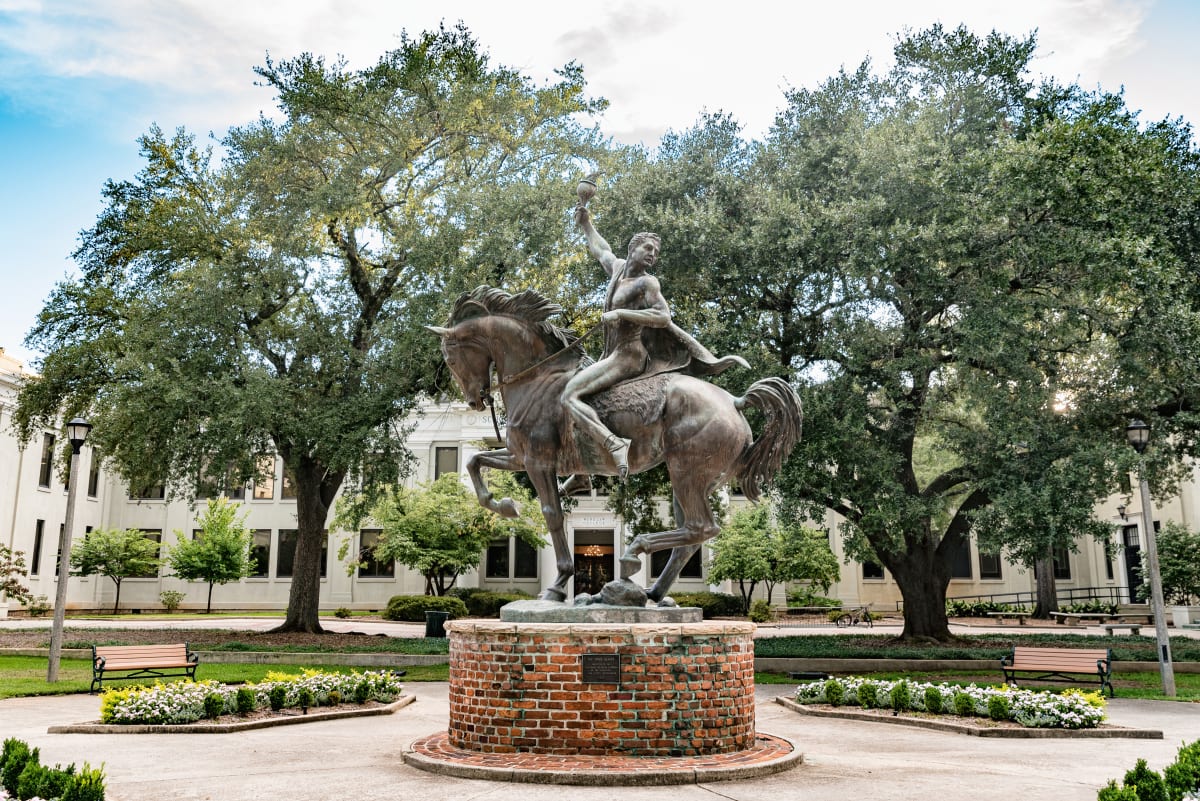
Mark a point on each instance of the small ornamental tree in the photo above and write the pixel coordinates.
(1178, 564)
(221, 551)
(116, 553)
(12, 568)
(753, 550)
(440, 530)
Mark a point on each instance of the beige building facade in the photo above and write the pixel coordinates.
(33, 503)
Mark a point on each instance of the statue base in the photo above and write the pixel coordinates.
(634, 689)
(554, 612)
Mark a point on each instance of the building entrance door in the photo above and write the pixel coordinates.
(594, 554)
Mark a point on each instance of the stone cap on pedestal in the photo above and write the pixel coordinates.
(556, 612)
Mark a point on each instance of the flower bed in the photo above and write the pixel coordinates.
(1071, 709)
(190, 701)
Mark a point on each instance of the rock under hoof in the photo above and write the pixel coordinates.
(623, 593)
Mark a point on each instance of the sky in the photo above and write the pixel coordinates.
(80, 80)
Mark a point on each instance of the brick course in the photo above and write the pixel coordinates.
(687, 689)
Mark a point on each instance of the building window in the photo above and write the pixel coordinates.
(264, 482)
(94, 474)
(155, 536)
(370, 567)
(960, 560)
(1126, 484)
(872, 570)
(445, 460)
(659, 559)
(39, 531)
(47, 466)
(496, 561)
(989, 565)
(525, 565)
(260, 553)
(155, 492)
(285, 564)
(1062, 564)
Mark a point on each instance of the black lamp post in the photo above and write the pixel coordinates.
(77, 432)
(1138, 435)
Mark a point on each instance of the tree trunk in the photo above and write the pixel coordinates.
(316, 488)
(923, 577)
(117, 600)
(1047, 592)
(208, 608)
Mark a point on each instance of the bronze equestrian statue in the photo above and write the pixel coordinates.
(644, 406)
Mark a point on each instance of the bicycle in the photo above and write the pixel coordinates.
(854, 617)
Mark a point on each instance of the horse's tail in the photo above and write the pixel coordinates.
(776, 399)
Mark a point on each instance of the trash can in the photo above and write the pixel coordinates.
(435, 623)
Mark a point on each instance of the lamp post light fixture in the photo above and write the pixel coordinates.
(77, 432)
(1138, 435)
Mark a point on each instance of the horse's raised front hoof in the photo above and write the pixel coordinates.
(630, 565)
(552, 594)
(506, 507)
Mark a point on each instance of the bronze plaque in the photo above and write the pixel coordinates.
(601, 668)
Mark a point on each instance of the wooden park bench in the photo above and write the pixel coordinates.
(1021, 617)
(141, 661)
(1058, 664)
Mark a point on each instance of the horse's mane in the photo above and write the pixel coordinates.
(528, 306)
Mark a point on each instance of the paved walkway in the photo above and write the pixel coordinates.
(360, 758)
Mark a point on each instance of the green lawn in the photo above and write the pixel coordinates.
(26, 675)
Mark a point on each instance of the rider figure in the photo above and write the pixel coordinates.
(639, 337)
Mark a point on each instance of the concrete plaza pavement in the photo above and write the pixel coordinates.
(360, 758)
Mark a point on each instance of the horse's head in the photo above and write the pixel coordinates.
(469, 361)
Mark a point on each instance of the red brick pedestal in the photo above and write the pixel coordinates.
(686, 689)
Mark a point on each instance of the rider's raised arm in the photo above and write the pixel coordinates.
(596, 244)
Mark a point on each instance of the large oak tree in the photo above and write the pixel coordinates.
(271, 301)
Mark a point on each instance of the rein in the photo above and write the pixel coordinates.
(489, 399)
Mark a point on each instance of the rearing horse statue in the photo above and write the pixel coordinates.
(695, 427)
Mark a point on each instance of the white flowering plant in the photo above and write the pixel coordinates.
(1071, 709)
(184, 701)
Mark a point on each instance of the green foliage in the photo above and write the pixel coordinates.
(306, 698)
(835, 692)
(964, 706)
(998, 707)
(214, 706)
(12, 567)
(440, 530)
(752, 549)
(805, 596)
(971, 608)
(116, 553)
(342, 613)
(1111, 792)
(362, 691)
(171, 599)
(245, 701)
(412, 608)
(23, 776)
(1147, 783)
(868, 696)
(220, 553)
(271, 302)
(13, 758)
(277, 697)
(711, 604)
(760, 611)
(37, 605)
(934, 701)
(1182, 776)
(1092, 606)
(1177, 565)
(487, 604)
(901, 696)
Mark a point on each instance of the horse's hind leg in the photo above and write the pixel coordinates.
(698, 525)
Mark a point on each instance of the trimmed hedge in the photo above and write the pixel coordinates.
(23, 776)
(412, 608)
(713, 604)
(487, 604)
